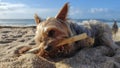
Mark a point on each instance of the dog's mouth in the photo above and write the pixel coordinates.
(54, 51)
(50, 48)
(58, 52)
(54, 44)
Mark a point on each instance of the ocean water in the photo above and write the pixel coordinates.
(31, 22)
(17, 22)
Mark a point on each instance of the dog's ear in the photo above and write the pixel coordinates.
(63, 12)
(37, 19)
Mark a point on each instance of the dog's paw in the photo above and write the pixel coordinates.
(89, 41)
(21, 50)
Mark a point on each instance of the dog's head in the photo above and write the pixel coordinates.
(52, 30)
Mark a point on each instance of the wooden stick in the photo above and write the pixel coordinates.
(63, 42)
(73, 39)
(35, 49)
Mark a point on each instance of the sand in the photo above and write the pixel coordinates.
(12, 38)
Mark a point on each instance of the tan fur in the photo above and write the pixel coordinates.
(55, 29)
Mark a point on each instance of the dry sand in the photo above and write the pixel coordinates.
(12, 38)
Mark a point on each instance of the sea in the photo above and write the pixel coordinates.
(31, 22)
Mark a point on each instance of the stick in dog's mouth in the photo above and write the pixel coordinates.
(63, 42)
(73, 39)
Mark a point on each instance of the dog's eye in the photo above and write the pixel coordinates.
(51, 33)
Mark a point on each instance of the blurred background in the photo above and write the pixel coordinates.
(21, 12)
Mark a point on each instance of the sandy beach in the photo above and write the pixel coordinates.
(12, 38)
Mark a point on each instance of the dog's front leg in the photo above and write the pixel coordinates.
(21, 50)
(33, 50)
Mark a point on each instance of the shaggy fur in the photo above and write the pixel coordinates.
(101, 32)
(55, 29)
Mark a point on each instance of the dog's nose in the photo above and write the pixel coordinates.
(48, 48)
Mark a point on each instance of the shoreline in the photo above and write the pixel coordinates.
(21, 26)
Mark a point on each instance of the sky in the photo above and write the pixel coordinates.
(79, 9)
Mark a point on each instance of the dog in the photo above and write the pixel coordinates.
(55, 29)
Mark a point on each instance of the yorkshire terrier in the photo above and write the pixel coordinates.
(55, 29)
